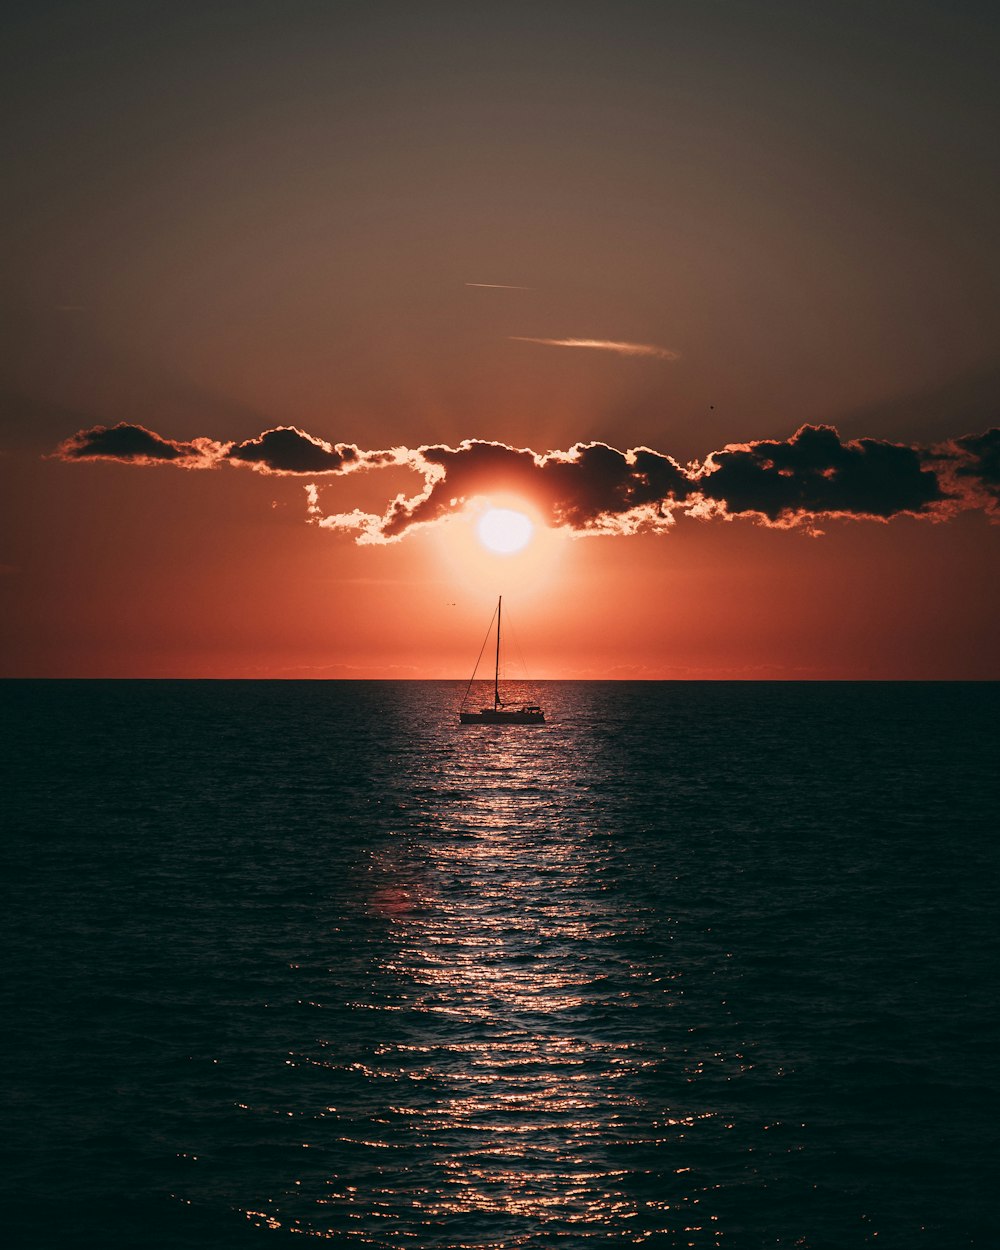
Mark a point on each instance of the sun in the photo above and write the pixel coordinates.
(504, 531)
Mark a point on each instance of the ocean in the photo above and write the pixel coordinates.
(691, 965)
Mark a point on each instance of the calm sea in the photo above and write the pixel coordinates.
(693, 965)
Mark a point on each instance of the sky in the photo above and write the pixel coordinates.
(295, 292)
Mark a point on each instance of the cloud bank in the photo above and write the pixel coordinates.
(812, 477)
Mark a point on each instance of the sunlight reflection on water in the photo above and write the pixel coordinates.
(508, 954)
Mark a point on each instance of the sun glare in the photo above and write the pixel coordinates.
(501, 544)
(504, 531)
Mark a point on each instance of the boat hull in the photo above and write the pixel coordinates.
(501, 717)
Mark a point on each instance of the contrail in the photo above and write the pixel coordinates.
(604, 345)
(500, 286)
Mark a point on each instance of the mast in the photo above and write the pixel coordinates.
(496, 674)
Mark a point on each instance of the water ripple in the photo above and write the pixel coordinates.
(680, 968)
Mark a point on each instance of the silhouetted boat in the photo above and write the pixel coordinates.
(500, 713)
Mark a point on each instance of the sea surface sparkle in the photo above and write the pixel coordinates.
(692, 965)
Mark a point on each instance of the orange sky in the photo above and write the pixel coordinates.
(163, 573)
(387, 227)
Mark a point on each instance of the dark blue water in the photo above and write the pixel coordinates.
(694, 965)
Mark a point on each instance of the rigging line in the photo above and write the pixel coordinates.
(481, 650)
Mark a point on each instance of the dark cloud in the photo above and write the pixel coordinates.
(286, 449)
(587, 487)
(593, 488)
(453, 475)
(970, 467)
(815, 474)
(984, 453)
(596, 480)
(282, 450)
(136, 445)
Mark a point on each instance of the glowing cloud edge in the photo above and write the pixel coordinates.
(595, 489)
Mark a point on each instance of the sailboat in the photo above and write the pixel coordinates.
(500, 713)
